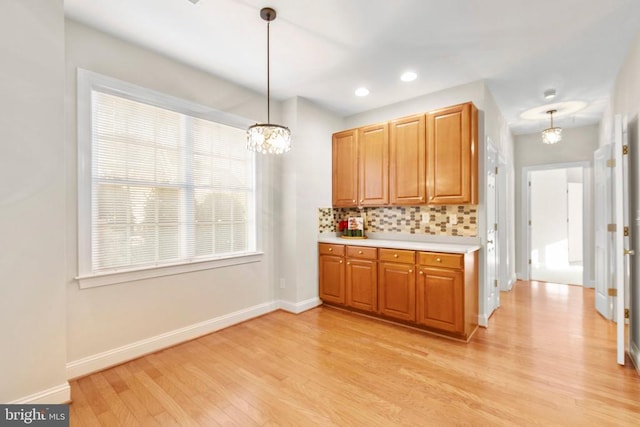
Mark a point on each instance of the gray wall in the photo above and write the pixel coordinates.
(32, 201)
(112, 323)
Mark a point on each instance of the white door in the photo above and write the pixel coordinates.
(621, 246)
(603, 239)
(491, 286)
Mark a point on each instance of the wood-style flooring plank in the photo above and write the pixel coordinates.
(547, 358)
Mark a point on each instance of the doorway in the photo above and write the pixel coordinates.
(558, 223)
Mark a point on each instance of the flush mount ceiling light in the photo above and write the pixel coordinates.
(408, 76)
(551, 135)
(549, 94)
(266, 137)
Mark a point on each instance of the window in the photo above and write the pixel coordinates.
(163, 183)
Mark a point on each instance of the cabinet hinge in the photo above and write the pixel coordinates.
(529, 261)
(495, 283)
(612, 292)
(496, 170)
(625, 149)
(626, 313)
(611, 163)
(529, 222)
(611, 228)
(495, 226)
(625, 231)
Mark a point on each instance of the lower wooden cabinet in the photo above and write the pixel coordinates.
(362, 278)
(440, 299)
(362, 284)
(430, 290)
(331, 270)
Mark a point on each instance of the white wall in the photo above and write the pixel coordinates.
(32, 208)
(108, 324)
(578, 144)
(626, 100)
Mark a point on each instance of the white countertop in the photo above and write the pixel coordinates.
(456, 248)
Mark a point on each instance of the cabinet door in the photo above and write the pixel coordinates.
(332, 287)
(397, 291)
(345, 168)
(452, 155)
(362, 283)
(407, 162)
(440, 299)
(373, 184)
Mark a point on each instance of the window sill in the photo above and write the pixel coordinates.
(115, 277)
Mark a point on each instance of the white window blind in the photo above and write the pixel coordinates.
(166, 187)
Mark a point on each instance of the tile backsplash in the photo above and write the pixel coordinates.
(407, 219)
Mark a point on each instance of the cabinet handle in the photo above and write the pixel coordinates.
(431, 198)
(410, 271)
(421, 272)
(340, 261)
(361, 200)
(330, 249)
(438, 259)
(395, 255)
(360, 252)
(421, 198)
(348, 262)
(354, 200)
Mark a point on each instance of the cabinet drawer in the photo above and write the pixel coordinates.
(362, 252)
(397, 255)
(437, 259)
(330, 249)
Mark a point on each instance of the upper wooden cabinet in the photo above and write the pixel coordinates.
(345, 168)
(427, 158)
(361, 166)
(452, 155)
(407, 170)
(373, 164)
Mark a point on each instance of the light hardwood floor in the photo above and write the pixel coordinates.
(547, 358)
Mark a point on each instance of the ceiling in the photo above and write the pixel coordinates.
(324, 50)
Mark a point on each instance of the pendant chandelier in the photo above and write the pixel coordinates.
(552, 135)
(268, 138)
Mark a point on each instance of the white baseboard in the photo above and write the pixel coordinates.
(97, 362)
(54, 395)
(634, 354)
(299, 307)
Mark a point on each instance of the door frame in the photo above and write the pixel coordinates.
(587, 232)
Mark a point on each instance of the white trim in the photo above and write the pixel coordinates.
(54, 395)
(88, 81)
(106, 359)
(299, 307)
(111, 278)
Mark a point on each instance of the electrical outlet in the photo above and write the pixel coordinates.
(453, 219)
(282, 285)
(424, 217)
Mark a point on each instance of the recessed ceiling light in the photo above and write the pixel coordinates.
(408, 76)
(549, 94)
(362, 91)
